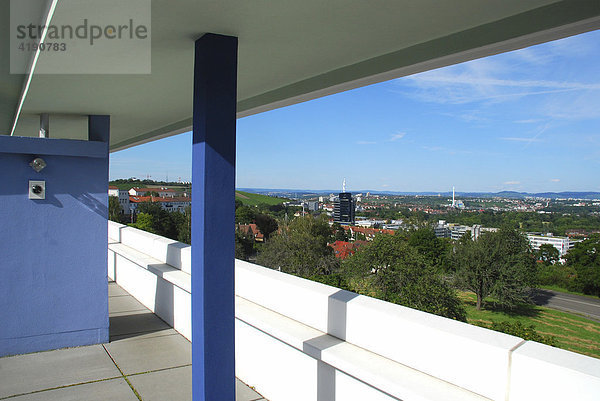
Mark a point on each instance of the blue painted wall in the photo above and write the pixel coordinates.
(53, 286)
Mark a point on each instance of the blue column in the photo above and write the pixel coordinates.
(213, 218)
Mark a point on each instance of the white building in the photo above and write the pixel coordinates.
(562, 244)
(455, 231)
(162, 192)
(123, 196)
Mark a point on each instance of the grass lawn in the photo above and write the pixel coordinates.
(572, 332)
(250, 199)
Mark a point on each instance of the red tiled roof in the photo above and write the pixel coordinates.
(112, 187)
(369, 231)
(153, 189)
(343, 249)
(251, 229)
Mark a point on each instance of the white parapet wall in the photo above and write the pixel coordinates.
(301, 340)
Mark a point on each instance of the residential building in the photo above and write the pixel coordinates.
(170, 204)
(253, 230)
(369, 233)
(162, 192)
(123, 196)
(344, 249)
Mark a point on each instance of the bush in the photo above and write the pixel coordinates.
(556, 274)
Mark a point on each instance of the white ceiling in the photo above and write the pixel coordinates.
(289, 51)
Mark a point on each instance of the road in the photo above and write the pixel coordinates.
(588, 307)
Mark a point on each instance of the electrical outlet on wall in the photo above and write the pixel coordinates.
(37, 189)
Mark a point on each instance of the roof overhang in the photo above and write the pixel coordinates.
(289, 52)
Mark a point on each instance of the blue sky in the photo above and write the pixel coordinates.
(527, 120)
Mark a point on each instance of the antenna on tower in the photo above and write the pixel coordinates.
(344, 185)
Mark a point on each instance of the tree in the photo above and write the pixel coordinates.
(427, 244)
(266, 224)
(115, 211)
(547, 254)
(145, 222)
(184, 228)
(340, 233)
(164, 223)
(390, 269)
(301, 249)
(244, 245)
(244, 215)
(498, 264)
(584, 257)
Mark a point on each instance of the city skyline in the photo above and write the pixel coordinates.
(526, 121)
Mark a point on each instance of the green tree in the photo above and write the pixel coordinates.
(115, 211)
(145, 221)
(266, 224)
(245, 215)
(434, 249)
(584, 257)
(390, 269)
(339, 232)
(184, 228)
(547, 254)
(244, 245)
(498, 264)
(301, 249)
(164, 223)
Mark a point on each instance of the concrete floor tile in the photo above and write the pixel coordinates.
(123, 304)
(245, 393)
(114, 390)
(130, 337)
(115, 291)
(171, 384)
(137, 355)
(135, 322)
(31, 372)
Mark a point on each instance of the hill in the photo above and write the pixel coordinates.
(250, 199)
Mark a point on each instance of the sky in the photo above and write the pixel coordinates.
(528, 120)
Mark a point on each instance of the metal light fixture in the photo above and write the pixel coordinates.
(38, 164)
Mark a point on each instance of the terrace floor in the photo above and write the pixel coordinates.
(145, 360)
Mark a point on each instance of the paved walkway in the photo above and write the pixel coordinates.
(144, 360)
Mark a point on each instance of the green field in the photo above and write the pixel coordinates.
(250, 199)
(572, 332)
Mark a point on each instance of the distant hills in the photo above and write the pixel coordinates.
(296, 193)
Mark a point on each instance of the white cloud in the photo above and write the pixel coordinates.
(517, 139)
(555, 180)
(365, 143)
(512, 182)
(397, 136)
(528, 121)
(486, 80)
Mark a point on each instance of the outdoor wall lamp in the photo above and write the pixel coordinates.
(38, 164)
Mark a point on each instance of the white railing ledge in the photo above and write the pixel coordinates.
(542, 372)
(157, 267)
(392, 378)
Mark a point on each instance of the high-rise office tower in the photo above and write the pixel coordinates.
(343, 207)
